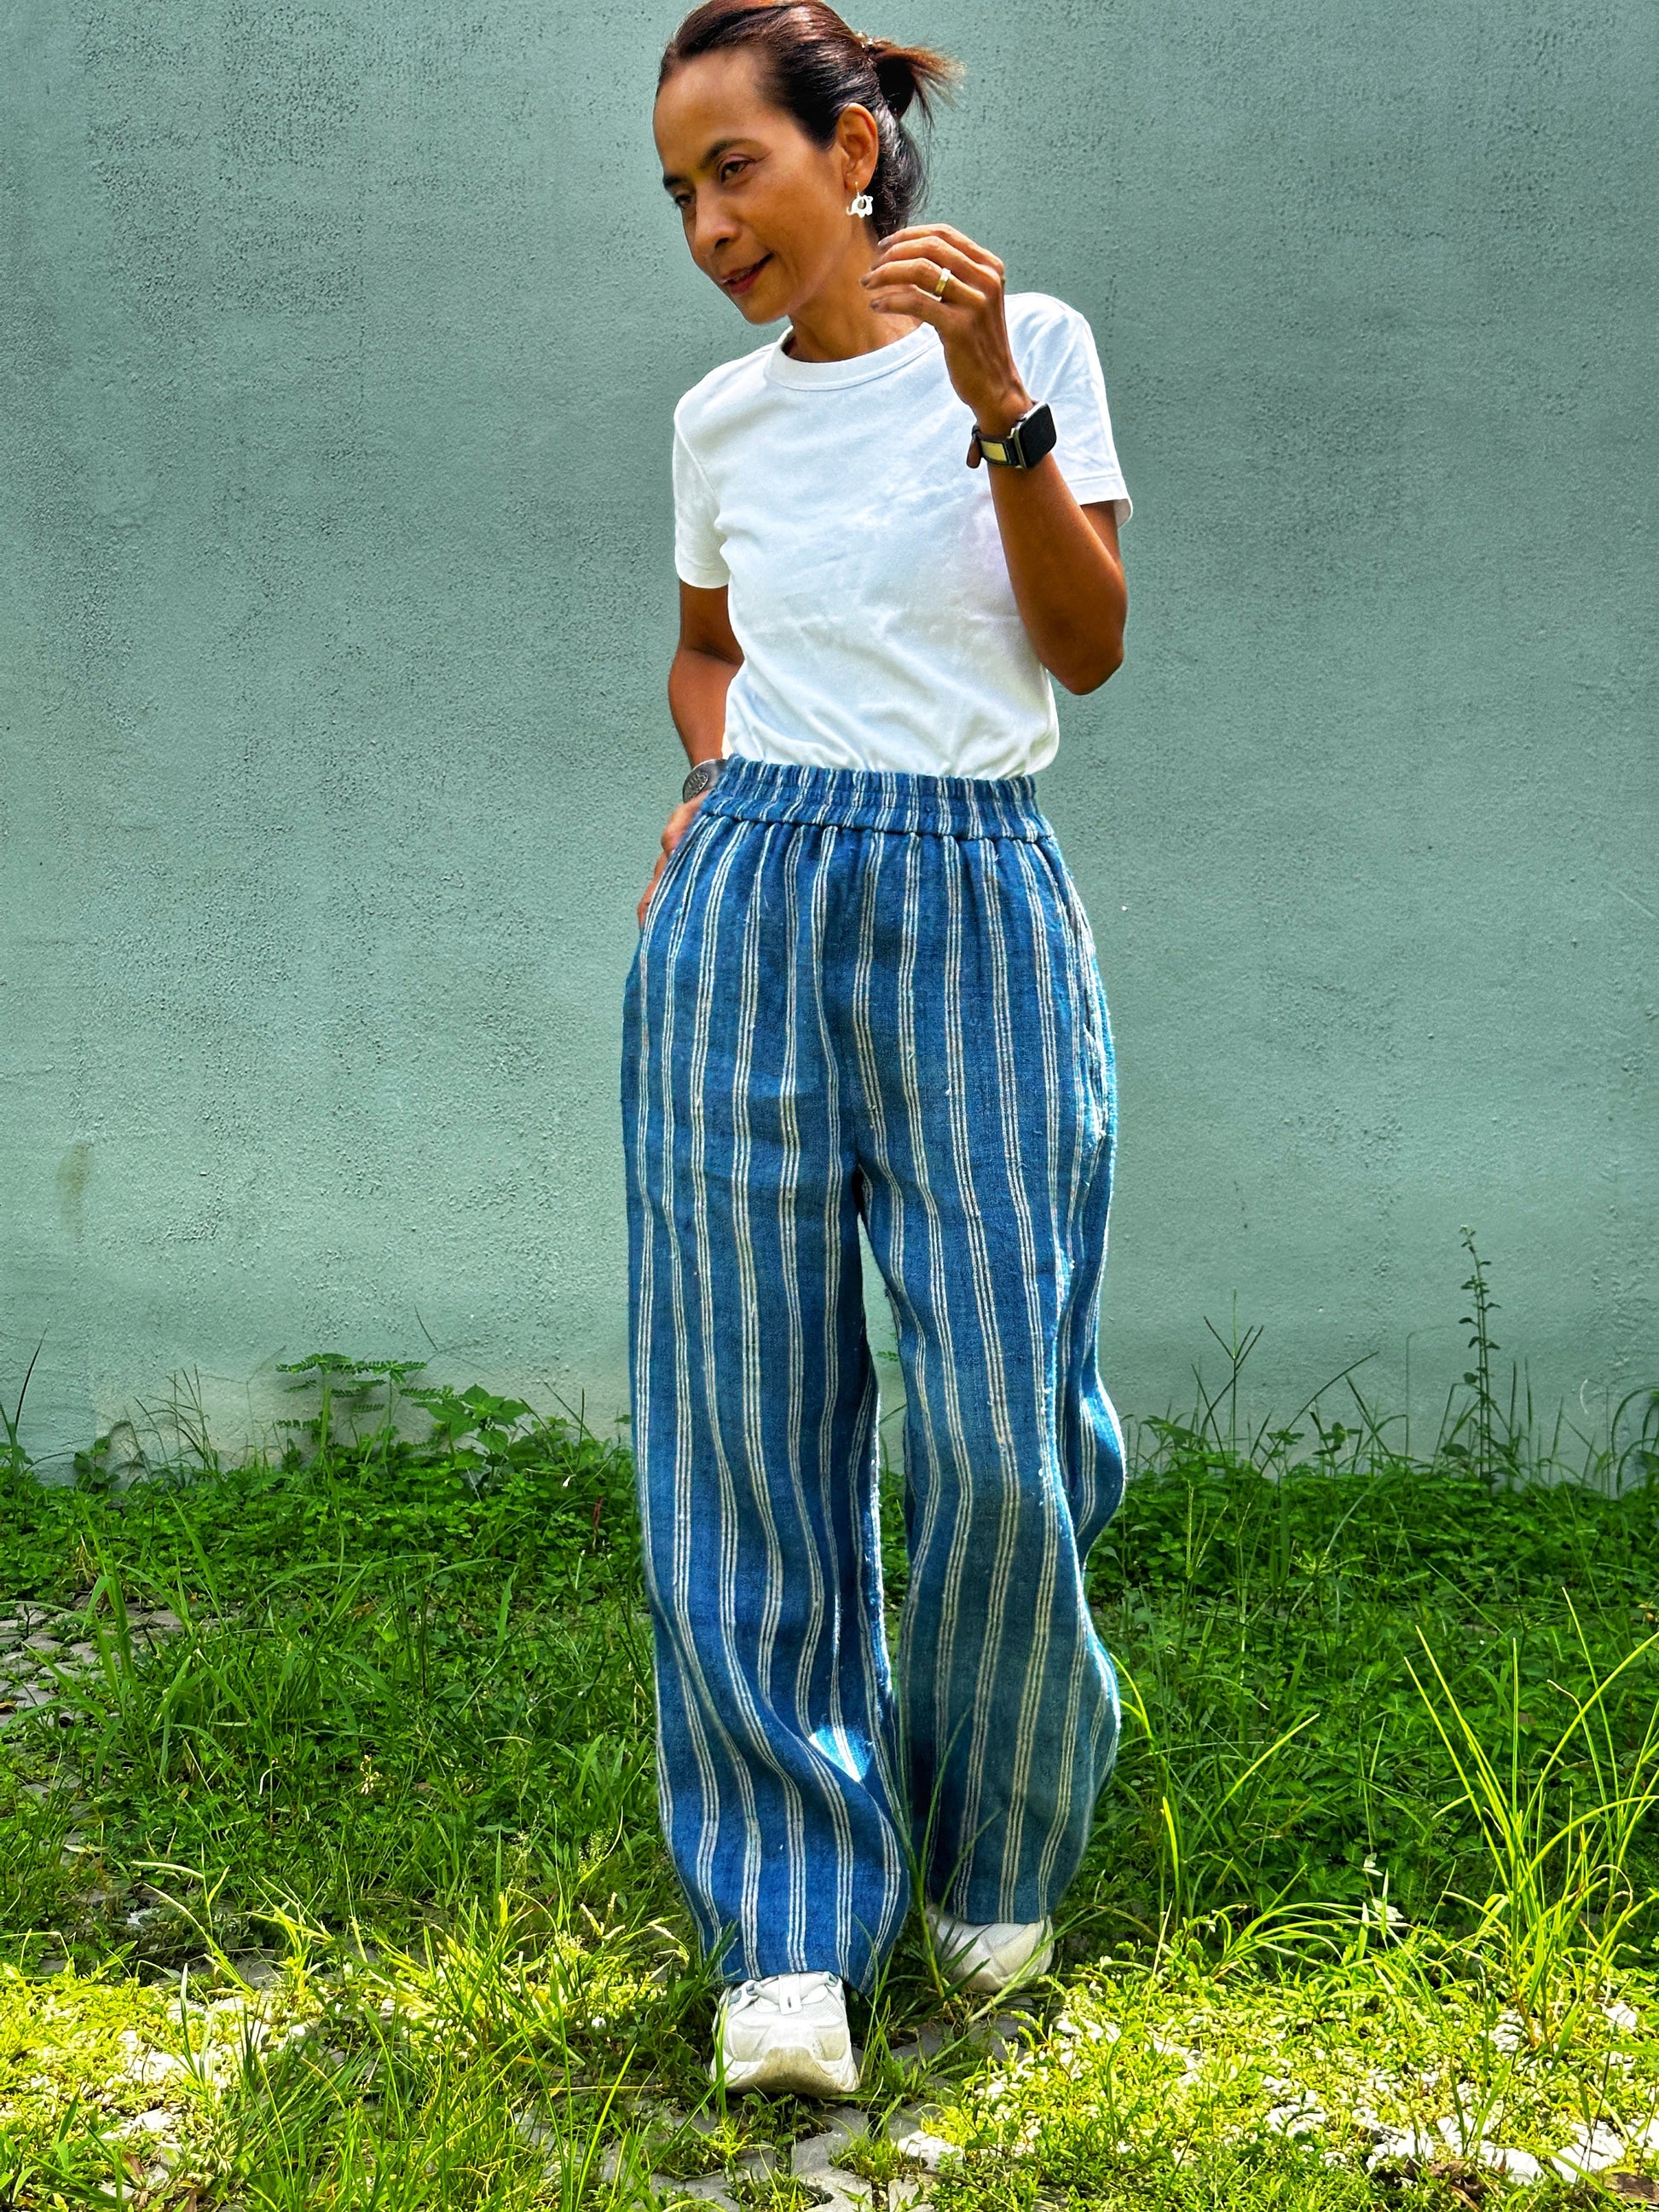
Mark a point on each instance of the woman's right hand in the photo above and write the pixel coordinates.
(679, 822)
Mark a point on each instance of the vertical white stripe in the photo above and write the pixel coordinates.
(686, 1489)
(1077, 1321)
(979, 1747)
(889, 1248)
(960, 1140)
(1063, 1205)
(1043, 1475)
(836, 1256)
(751, 1381)
(935, 1310)
(660, 1215)
(795, 1371)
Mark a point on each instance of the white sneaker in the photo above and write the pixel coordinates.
(786, 2032)
(987, 1955)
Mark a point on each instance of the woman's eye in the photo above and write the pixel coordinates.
(729, 169)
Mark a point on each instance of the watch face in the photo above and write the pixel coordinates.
(1030, 438)
(1036, 434)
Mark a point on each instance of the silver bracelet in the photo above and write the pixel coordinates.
(705, 774)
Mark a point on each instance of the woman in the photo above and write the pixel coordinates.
(866, 991)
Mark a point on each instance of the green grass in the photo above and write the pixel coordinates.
(363, 1865)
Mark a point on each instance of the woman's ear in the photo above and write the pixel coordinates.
(859, 142)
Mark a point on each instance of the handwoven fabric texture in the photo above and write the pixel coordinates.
(869, 995)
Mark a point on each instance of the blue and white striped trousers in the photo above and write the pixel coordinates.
(860, 994)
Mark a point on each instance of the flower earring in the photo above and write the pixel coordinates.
(861, 204)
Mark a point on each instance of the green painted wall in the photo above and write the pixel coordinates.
(338, 343)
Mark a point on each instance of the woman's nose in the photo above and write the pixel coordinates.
(712, 225)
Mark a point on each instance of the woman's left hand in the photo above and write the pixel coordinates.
(1064, 564)
(904, 279)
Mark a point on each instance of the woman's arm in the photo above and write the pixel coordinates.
(1063, 559)
(1065, 567)
(705, 660)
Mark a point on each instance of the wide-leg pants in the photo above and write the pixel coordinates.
(866, 995)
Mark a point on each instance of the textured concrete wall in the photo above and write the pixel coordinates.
(338, 346)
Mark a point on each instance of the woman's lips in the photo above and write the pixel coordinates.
(743, 278)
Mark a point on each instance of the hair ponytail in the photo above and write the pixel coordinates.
(814, 65)
(908, 74)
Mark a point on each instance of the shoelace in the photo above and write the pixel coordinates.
(755, 1993)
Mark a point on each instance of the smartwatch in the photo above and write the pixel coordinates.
(1023, 447)
(704, 775)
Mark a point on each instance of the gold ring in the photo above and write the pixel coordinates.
(944, 279)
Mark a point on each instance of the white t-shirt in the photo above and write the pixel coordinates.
(867, 585)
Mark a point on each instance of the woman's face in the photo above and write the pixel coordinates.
(764, 209)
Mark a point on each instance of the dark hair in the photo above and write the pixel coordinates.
(813, 66)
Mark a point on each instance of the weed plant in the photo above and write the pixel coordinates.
(362, 1865)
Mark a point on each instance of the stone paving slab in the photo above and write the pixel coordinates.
(1004, 2037)
(810, 2160)
(711, 2189)
(843, 2124)
(40, 1642)
(911, 2136)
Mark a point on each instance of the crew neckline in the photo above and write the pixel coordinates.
(820, 375)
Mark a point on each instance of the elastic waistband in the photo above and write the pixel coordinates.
(880, 799)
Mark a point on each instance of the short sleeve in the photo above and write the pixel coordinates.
(1060, 363)
(698, 556)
